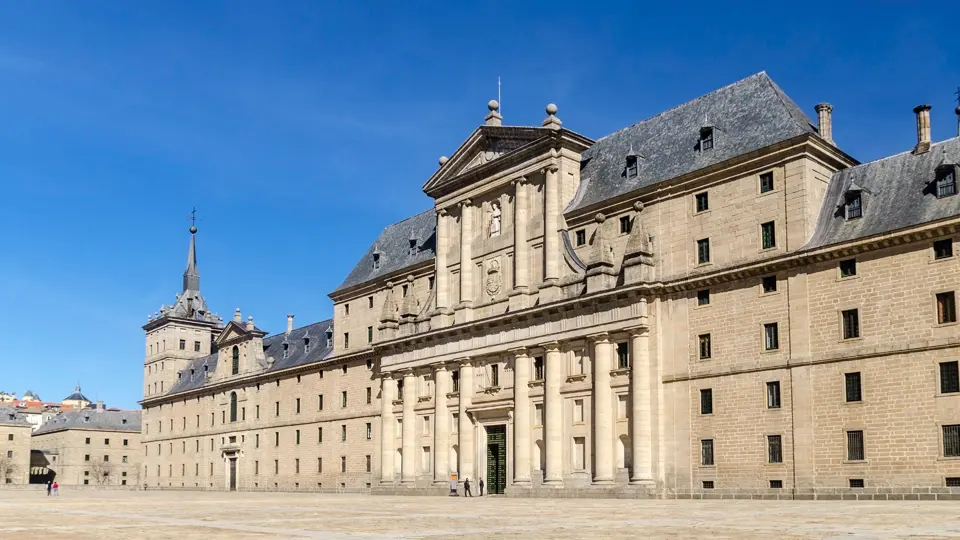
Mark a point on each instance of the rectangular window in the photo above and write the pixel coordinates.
(579, 453)
(319, 434)
(276, 438)
(343, 464)
(455, 379)
(702, 201)
(538, 368)
(774, 449)
(581, 237)
(773, 395)
(943, 249)
(768, 235)
(856, 482)
(298, 436)
(623, 355)
(319, 465)
(196, 346)
(343, 432)
(343, 399)
(769, 284)
(426, 425)
(258, 412)
(707, 484)
(947, 183)
(853, 208)
(946, 308)
(625, 225)
(776, 484)
(494, 375)
(949, 377)
(369, 334)
(771, 336)
(369, 395)
(298, 405)
(346, 340)
(704, 340)
(703, 297)
(369, 431)
(706, 401)
(952, 481)
(851, 324)
(538, 415)
(320, 402)
(183, 344)
(578, 410)
(296, 466)
(369, 463)
(706, 452)
(621, 407)
(852, 384)
(703, 251)
(951, 440)
(425, 460)
(855, 445)
(766, 182)
(848, 268)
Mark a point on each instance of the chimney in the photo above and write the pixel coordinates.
(99, 406)
(289, 323)
(236, 316)
(825, 121)
(493, 117)
(923, 129)
(250, 325)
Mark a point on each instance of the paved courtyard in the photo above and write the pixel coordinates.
(86, 515)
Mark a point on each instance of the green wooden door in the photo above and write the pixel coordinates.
(496, 459)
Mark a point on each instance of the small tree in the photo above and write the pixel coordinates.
(100, 471)
(7, 469)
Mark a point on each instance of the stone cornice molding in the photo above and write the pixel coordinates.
(599, 337)
(634, 331)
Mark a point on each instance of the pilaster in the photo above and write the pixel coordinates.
(602, 410)
(441, 429)
(519, 296)
(388, 392)
(550, 289)
(553, 421)
(464, 310)
(641, 418)
(408, 472)
(465, 429)
(521, 417)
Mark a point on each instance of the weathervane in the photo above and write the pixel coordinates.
(193, 220)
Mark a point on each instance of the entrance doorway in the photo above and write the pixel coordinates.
(233, 474)
(496, 459)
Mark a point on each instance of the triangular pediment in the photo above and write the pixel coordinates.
(485, 145)
(232, 332)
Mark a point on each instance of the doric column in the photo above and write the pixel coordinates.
(407, 472)
(521, 417)
(641, 421)
(521, 259)
(551, 217)
(388, 420)
(466, 257)
(553, 427)
(441, 428)
(602, 413)
(467, 450)
(443, 298)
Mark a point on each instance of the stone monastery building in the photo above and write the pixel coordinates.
(715, 298)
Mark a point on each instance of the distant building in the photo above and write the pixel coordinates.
(76, 400)
(14, 446)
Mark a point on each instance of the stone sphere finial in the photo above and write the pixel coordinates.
(443, 160)
(193, 229)
(552, 109)
(957, 110)
(493, 105)
(638, 206)
(599, 218)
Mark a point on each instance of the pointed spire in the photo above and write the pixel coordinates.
(389, 313)
(191, 276)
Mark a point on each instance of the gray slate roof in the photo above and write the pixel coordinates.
(895, 194)
(92, 419)
(747, 115)
(194, 375)
(9, 416)
(393, 245)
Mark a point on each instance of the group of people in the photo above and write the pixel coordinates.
(466, 488)
(53, 486)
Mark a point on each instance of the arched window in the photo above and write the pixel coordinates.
(233, 406)
(236, 361)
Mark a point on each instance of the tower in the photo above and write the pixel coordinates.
(180, 332)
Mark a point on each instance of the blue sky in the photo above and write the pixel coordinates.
(300, 129)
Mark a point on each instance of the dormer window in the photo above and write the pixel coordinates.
(306, 345)
(853, 207)
(706, 139)
(413, 247)
(286, 347)
(632, 166)
(946, 181)
(329, 338)
(376, 261)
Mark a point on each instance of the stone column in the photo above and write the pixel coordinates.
(641, 421)
(441, 428)
(443, 298)
(521, 257)
(553, 421)
(521, 417)
(602, 413)
(388, 420)
(468, 451)
(551, 220)
(466, 257)
(408, 472)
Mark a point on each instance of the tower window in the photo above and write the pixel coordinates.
(706, 139)
(943, 249)
(702, 201)
(946, 308)
(581, 237)
(703, 251)
(625, 225)
(703, 297)
(768, 236)
(766, 182)
(235, 367)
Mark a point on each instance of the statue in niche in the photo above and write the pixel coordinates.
(495, 215)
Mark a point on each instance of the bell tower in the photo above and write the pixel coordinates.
(178, 333)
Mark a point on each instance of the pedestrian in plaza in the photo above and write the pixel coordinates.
(466, 488)
(49, 487)
(481, 487)
(56, 489)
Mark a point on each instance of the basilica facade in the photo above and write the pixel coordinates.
(717, 299)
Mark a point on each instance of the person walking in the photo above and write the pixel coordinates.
(481, 487)
(49, 487)
(466, 488)
(56, 489)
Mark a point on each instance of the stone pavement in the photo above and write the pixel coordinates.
(89, 514)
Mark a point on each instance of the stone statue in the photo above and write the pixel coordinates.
(495, 214)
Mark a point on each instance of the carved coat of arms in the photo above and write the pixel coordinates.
(494, 279)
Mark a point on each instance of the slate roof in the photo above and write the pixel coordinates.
(746, 116)
(92, 419)
(896, 193)
(393, 245)
(194, 376)
(9, 416)
(76, 396)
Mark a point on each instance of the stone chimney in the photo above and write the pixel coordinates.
(493, 117)
(923, 129)
(289, 323)
(825, 121)
(250, 325)
(236, 316)
(99, 406)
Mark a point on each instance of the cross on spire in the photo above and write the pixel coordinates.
(957, 93)
(193, 214)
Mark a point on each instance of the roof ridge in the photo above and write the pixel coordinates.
(330, 321)
(892, 156)
(788, 103)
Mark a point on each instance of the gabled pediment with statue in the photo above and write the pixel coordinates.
(235, 332)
